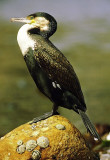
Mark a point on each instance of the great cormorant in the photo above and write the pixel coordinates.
(51, 71)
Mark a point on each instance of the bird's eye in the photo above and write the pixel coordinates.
(31, 17)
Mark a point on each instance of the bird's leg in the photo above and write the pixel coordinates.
(54, 109)
(46, 115)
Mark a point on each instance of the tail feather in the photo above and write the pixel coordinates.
(88, 124)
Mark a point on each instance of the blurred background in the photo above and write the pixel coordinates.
(83, 36)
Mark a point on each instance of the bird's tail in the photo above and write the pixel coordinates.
(88, 124)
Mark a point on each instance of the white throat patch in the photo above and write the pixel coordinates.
(24, 40)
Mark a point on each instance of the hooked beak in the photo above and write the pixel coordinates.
(23, 20)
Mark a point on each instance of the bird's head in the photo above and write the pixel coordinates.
(40, 23)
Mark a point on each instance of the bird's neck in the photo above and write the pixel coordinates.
(25, 40)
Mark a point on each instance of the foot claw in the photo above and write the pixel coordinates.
(43, 117)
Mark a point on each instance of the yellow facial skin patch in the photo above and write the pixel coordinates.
(33, 21)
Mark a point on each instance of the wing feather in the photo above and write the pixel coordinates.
(58, 69)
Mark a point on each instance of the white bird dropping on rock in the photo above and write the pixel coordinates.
(60, 126)
(30, 145)
(36, 155)
(43, 142)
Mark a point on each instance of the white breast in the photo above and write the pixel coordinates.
(24, 39)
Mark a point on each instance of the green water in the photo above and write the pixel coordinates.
(20, 101)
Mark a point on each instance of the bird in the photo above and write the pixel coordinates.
(51, 71)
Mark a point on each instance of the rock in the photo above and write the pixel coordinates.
(61, 144)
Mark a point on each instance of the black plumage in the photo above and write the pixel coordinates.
(52, 72)
(66, 91)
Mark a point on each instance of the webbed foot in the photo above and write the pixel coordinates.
(43, 117)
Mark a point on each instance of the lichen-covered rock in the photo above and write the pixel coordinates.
(65, 143)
